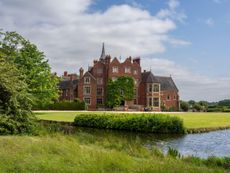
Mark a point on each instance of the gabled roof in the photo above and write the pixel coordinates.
(89, 74)
(148, 77)
(67, 84)
(167, 83)
(115, 60)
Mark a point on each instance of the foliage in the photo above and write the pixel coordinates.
(31, 63)
(15, 103)
(201, 106)
(224, 103)
(156, 123)
(211, 161)
(119, 91)
(184, 106)
(173, 153)
(64, 105)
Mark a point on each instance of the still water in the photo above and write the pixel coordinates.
(215, 143)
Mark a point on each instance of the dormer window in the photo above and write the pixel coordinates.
(127, 70)
(115, 69)
(87, 80)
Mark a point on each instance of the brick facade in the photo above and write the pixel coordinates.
(151, 91)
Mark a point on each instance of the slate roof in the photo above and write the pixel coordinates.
(167, 83)
(67, 84)
(148, 77)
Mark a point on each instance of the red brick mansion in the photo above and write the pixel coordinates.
(153, 92)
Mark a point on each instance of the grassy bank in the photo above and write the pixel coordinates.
(85, 153)
(191, 120)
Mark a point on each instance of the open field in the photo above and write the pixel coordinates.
(86, 153)
(191, 120)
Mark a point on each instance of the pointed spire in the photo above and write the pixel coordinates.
(103, 51)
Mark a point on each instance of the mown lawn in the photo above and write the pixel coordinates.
(84, 153)
(191, 120)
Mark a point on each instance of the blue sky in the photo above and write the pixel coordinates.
(187, 39)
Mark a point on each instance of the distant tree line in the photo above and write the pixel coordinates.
(205, 106)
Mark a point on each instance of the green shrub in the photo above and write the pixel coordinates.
(12, 125)
(64, 105)
(156, 123)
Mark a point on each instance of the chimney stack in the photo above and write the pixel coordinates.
(65, 73)
(81, 72)
(137, 60)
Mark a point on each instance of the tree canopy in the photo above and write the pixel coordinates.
(15, 103)
(31, 63)
(120, 90)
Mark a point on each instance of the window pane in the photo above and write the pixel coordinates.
(86, 90)
(87, 101)
(156, 88)
(156, 102)
(99, 101)
(99, 91)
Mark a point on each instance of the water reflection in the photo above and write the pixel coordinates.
(202, 145)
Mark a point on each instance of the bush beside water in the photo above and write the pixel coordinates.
(155, 123)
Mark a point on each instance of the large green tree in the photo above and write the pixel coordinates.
(32, 64)
(119, 91)
(15, 102)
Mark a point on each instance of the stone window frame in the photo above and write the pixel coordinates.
(86, 102)
(154, 87)
(87, 81)
(151, 100)
(101, 101)
(115, 69)
(85, 90)
(101, 81)
(102, 91)
(128, 69)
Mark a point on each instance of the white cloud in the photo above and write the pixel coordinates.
(191, 84)
(71, 37)
(172, 12)
(178, 42)
(210, 22)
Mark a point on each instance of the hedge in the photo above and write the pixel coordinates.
(155, 123)
(63, 105)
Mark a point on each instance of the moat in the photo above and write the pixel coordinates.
(202, 145)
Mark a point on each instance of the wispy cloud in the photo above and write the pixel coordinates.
(210, 22)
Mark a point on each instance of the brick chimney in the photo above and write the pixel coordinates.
(137, 60)
(94, 62)
(65, 73)
(81, 72)
(107, 59)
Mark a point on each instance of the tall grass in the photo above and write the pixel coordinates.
(83, 154)
(156, 123)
